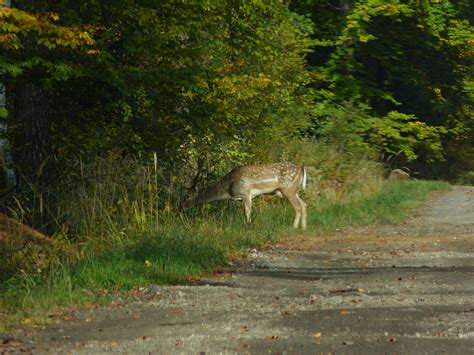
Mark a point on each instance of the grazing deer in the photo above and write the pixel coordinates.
(249, 181)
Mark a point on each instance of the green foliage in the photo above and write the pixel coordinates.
(16, 25)
(408, 64)
(189, 79)
(466, 179)
(24, 37)
(400, 132)
(227, 81)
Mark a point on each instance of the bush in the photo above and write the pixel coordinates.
(466, 179)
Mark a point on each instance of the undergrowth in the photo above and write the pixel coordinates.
(182, 246)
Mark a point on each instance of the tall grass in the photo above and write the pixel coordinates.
(121, 219)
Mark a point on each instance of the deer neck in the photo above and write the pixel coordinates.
(212, 193)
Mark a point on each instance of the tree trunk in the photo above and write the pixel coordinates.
(33, 136)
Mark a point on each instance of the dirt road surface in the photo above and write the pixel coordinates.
(384, 289)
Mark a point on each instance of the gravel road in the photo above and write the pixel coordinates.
(381, 289)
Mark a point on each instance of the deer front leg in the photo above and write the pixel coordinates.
(247, 203)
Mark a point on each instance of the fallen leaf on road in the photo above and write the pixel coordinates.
(316, 335)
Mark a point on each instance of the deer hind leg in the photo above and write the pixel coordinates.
(304, 213)
(297, 206)
(247, 203)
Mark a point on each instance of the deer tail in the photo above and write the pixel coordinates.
(305, 178)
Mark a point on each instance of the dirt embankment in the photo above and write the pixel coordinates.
(397, 289)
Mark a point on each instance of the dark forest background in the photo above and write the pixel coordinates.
(237, 81)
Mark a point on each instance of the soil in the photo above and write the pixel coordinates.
(405, 288)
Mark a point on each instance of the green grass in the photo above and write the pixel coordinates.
(185, 246)
(391, 205)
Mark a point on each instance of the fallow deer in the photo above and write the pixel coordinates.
(249, 181)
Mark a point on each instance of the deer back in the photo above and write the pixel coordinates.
(261, 179)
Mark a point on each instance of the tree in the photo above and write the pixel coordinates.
(183, 78)
(34, 51)
(406, 63)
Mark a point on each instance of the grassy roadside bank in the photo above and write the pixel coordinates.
(183, 246)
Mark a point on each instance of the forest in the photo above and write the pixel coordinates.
(111, 109)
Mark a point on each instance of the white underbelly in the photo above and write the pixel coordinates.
(258, 192)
